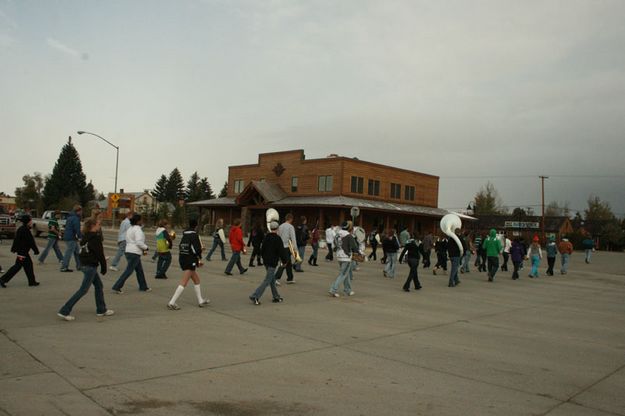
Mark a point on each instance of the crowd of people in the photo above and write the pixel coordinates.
(278, 247)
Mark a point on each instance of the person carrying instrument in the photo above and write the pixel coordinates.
(273, 252)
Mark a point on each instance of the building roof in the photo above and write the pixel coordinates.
(270, 192)
(338, 202)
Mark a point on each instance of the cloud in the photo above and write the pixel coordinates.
(61, 47)
(6, 41)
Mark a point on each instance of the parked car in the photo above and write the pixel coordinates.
(40, 225)
(7, 224)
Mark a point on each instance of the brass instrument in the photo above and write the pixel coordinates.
(272, 215)
(294, 253)
(449, 224)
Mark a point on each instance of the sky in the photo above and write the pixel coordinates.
(471, 91)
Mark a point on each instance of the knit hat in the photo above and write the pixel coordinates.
(535, 239)
(273, 225)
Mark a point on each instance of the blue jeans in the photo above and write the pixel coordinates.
(90, 277)
(72, 248)
(344, 277)
(466, 260)
(302, 252)
(315, 250)
(588, 253)
(270, 280)
(53, 243)
(217, 242)
(121, 249)
(565, 263)
(391, 263)
(535, 264)
(134, 265)
(164, 260)
(235, 259)
(453, 273)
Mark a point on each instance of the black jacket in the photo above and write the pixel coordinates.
(92, 252)
(190, 245)
(452, 248)
(256, 238)
(413, 251)
(273, 250)
(390, 244)
(23, 242)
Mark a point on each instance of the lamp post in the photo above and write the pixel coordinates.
(116, 164)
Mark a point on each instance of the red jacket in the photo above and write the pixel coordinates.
(236, 239)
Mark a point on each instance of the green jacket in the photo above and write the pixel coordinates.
(492, 244)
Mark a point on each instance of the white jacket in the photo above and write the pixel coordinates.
(135, 240)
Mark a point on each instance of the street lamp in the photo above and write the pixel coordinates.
(116, 163)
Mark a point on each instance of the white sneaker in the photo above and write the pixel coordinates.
(278, 283)
(108, 312)
(204, 303)
(334, 294)
(115, 269)
(352, 293)
(173, 307)
(290, 282)
(65, 317)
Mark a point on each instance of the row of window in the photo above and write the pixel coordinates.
(373, 188)
(325, 183)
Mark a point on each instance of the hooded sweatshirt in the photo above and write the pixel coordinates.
(347, 247)
(492, 244)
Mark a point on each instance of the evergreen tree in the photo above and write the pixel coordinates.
(224, 191)
(488, 201)
(193, 191)
(160, 188)
(67, 182)
(174, 191)
(206, 189)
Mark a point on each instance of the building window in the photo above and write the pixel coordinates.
(357, 184)
(293, 183)
(395, 190)
(374, 187)
(409, 193)
(325, 183)
(238, 186)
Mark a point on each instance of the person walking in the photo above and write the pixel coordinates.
(412, 253)
(301, 237)
(314, 243)
(219, 240)
(552, 251)
(91, 256)
(470, 249)
(22, 244)
(517, 254)
(374, 241)
(135, 248)
(189, 258)
(164, 244)
(453, 250)
(506, 243)
(273, 252)
(256, 240)
(237, 246)
(286, 231)
(390, 245)
(440, 247)
(492, 248)
(477, 242)
(345, 246)
(428, 244)
(329, 241)
(71, 237)
(54, 233)
(404, 236)
(566, 249)
(535, 254)
(588, 244)
(121, 241)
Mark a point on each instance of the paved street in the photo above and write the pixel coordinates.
(549, 346)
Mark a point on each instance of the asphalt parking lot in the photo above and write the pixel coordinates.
(548, 346)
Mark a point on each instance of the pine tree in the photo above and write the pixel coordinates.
(174, 191)
(224, 191)
(206, 190)
(160, 188)
(67, 182)
(193, 191)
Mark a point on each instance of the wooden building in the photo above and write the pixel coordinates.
(525, 226)
(325, 190)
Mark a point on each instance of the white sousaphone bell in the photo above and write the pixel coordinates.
(272, 215)
(449, 224)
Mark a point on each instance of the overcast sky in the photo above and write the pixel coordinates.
(468, 90)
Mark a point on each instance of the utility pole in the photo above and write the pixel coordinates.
(542, 182)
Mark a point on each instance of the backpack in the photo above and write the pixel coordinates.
(372, 239)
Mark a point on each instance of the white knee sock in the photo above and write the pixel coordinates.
(177, 294)
(198, 293)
